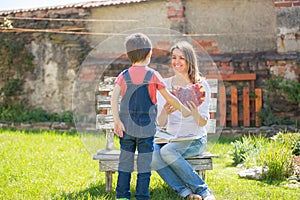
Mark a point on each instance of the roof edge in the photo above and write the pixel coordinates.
(90, 4)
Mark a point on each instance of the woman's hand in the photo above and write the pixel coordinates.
(195, 113)
(169, 109)
(193, 108)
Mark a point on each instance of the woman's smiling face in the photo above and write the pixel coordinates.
(179, 62)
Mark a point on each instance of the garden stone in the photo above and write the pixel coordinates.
(293, 184)
(3, 125)
(42, 125)
(293, 178)
(241, 165)
(60, 126)
(254, 173)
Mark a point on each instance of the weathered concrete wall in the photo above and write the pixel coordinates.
(236, 26)
(288, 29)
(138, 16)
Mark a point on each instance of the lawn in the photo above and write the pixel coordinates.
(54, 165)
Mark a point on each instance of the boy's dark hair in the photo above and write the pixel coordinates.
(138, 45)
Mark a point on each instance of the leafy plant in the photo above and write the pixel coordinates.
(15, 58)
(66, 116)
(277, 158)
(12, 87)
(15, 62)
(291, 139)
(243, 148)
(275, 155)
(17, 113)
(284, 90)
(252, 156)
(290, 87)
(267, 117)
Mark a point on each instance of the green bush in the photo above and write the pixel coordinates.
(290, 87)
(17, 113)
(275, 155)
(267, 117)
(247, 150)
(12, 87)
(277, 159)
(14, 109)
(251, 157)
(291, 139)
(66, 116)
(281, 87)
(11, 113)
(241, 148)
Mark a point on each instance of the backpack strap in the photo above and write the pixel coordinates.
(127, 76)
(148, 76)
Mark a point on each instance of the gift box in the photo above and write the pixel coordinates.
(194, 93)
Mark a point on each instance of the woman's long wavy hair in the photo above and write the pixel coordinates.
(191, 59)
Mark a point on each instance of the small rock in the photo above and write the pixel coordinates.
(252, 173)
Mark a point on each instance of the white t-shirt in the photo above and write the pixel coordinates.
(180, 126)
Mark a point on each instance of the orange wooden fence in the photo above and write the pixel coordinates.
(238, 110)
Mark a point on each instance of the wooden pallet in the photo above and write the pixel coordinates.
(249, 99)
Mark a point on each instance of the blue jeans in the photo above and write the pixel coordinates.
(169, 162)
(128, 145)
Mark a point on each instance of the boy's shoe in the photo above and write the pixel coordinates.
(122, 199)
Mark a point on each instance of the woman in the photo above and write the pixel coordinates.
(169, 159)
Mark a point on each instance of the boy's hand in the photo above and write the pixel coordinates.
(169, 109)
(119, 128)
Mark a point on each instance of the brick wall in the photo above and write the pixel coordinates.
(175, 13)
(286, 3)
(265, 65)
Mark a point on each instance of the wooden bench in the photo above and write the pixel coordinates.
(109, 157)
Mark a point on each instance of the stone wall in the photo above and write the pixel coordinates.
(57, 56)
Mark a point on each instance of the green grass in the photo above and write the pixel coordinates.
(52, 165)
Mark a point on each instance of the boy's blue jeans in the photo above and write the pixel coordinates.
(128, 145)
(169, 162)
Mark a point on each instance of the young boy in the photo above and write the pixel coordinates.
(135, 122)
